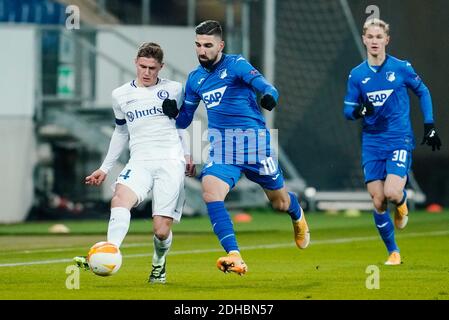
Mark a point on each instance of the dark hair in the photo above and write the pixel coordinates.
(151, 50)
(210, 28)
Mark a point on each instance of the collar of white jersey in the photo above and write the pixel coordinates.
(133, 83)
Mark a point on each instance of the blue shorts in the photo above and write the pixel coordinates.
(266, 173)
(377, 164)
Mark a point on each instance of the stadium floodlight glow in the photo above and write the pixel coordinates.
(310, 192)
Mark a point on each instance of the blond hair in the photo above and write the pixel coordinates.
(376, 22)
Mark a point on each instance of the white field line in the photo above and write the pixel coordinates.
(256, 247)
(63, 249)
(129, 245)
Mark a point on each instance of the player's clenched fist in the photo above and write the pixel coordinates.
(268, 102)
(431, 137)
(364, 109)
(170, 108)
(95, 178)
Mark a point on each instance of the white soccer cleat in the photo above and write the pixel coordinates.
(158, 274)
(81, 262)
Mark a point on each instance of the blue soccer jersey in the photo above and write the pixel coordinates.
(385, 86)
(237, 132)
(236, 124)
(227, 91)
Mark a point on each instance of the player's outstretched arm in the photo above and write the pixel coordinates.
(119, 139)
(270, 94)
(185, 115)
(96, 178)
(255, 79)
(431, 137)
(415, 83)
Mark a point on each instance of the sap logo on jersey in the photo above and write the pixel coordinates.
(378, 98)
(213, 98)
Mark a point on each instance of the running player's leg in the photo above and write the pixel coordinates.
(398, 166)
(122, 202)
(162, 241)
(217, 180)
(284, 201)
(269, 176)
(130, 189)
(168, 202)
(374, 178)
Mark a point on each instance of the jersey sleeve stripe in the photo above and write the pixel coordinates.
(351, 103)
(255, 77)
(120, 122)
(417, 86)
(190, 102)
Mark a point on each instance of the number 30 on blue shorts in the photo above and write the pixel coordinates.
(397, 162)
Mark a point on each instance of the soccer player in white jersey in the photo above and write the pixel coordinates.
(158, 160)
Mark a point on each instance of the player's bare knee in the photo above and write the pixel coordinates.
(211, 197)
(162, 233)
(392, 194)
(280, 204)
(379, 203)
(117, 201)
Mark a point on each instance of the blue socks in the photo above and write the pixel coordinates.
(222, 225)
(386, 230)
(224, 229)
(295, 209)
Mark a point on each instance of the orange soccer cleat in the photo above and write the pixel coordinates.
(401, 216)
(394, 259)
(301, 232)
(233, 262)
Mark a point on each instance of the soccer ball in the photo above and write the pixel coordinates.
(104, 258)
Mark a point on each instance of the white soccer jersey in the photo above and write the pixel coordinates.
(152, 135)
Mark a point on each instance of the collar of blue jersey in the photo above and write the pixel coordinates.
(215, 66)
(380, 67)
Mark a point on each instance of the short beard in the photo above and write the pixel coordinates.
(207, 64)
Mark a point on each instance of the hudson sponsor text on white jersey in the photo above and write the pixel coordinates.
(152, 135)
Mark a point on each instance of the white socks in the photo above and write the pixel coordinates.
(161, 248)
(118, 225)
(118, 228)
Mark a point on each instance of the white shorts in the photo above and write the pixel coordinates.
(164, 177)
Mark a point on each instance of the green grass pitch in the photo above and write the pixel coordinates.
(337, 264)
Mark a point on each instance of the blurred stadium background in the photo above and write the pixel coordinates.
(56, 80)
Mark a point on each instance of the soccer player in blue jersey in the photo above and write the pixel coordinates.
(239, 139)
(377, 94)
